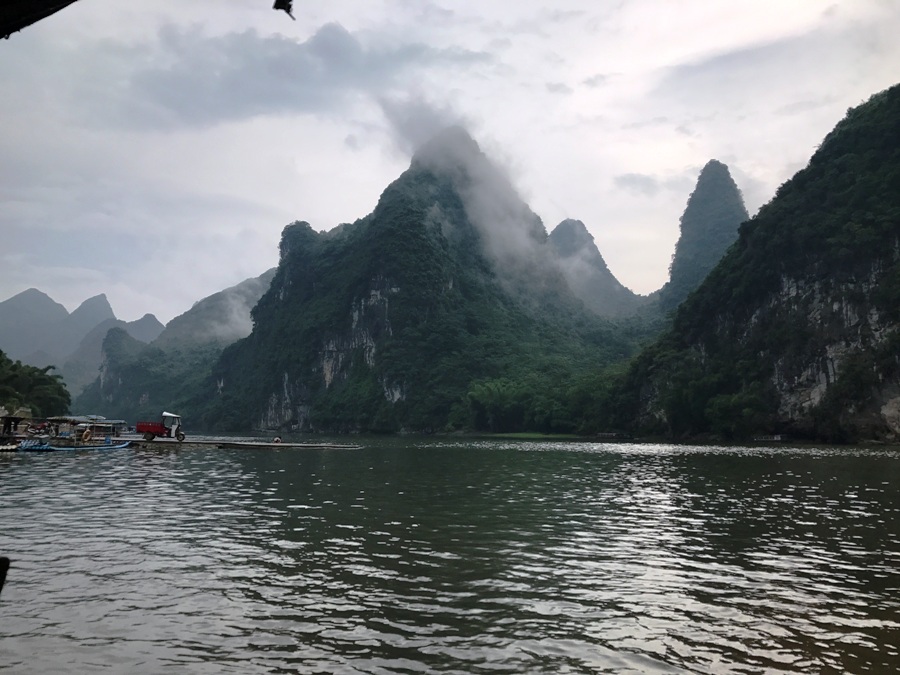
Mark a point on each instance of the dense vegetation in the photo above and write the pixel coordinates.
(35, 388)
(140, 381)
(814, 273)
(708, 227)
(446, 309)
(422, 331)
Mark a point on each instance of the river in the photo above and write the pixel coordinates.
(452, 556)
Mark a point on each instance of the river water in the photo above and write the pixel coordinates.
(445, 556)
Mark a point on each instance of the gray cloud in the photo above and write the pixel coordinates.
(125, 134)
(638, 182)
(650, 186)
(597, 80)
(415, 121)
(657, 120)
(805, 106)
(558, 88)
(797, 59)
(190, 79)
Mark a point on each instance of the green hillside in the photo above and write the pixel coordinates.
(796, 329)
(708, 226)
(138, 380)
(442, 309)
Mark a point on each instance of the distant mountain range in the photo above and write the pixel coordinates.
(221, 318)
(448, 307)
(587, 274)
(38, 331)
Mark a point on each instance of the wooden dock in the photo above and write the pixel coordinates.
(223, 444)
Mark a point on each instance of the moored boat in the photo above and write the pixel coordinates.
(38, 445)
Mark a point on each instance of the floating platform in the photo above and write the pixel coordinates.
(263, 445)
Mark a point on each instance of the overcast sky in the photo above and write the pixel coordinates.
(153, 150)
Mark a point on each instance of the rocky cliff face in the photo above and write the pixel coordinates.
(849, 328)
(340, 354)
(796, 330)
(384, 323)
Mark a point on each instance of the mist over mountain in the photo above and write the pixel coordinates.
(65, 335)
(444, 307)
(133, 379)
(587, 274)
(450, 307)
(708, 226)
(797, 329)
(495, 223)
(220, 318)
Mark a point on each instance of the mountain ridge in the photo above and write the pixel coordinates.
(797, 330)
(709, 225)
(392, 323)
(587, 272)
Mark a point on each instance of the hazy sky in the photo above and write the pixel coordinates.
(153, 150)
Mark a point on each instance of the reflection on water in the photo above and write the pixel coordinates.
(414, 556)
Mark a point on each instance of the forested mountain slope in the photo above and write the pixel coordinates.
(708, 226)
(81, 367)
(443, 308)
(138, 380)
(796, 330)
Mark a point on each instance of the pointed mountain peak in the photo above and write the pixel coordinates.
(450, 143)
(509, 228)
(587, 273)
(25, 319)
(572, 236)
(145, 329)
(454, 153)
(716, 196)
(97, 307)
(708, 227)
(34, 298)
(713, 166)
(32, 294)
(715, 176)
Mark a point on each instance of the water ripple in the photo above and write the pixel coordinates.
(424, 556)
